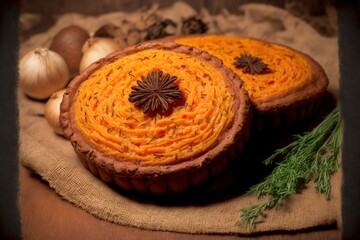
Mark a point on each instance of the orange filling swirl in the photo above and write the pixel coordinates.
(288, 69)
(117, 128)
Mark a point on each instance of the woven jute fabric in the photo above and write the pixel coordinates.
(212, 208)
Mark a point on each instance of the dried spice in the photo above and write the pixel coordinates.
(112, 31)
(159, 29)
(193, 25)
(250, 64)
(107, 30)
(155, 92)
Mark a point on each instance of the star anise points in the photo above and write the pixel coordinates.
(250, 64)
(155, 92)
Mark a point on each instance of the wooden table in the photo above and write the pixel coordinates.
(44, 215)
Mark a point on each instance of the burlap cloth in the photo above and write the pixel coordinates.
(213, 208)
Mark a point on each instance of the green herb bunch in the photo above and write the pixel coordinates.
(311, 156)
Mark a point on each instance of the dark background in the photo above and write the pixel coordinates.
(9, 213)
(349, 54)
(349, 45)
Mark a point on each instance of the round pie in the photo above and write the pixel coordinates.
(156, 117)
(285, 86)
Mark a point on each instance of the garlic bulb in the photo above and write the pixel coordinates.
(52, 111)
(42, 72)
(96, 48)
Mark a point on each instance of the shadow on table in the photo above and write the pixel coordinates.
(246, 171)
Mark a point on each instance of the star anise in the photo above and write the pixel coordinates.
(193, 25)
(155, 92)
(250, 64)
(159, 29)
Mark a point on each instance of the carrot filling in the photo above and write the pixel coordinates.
(287, 69)
(114, 126)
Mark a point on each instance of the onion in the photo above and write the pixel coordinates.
(52, 111)
(42, 72)
(68, 43)
(96, 48)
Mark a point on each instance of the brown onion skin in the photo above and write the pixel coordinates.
(68, 43)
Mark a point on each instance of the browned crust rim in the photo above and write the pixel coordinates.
(293, 98)
(307, 92)
(87, 152)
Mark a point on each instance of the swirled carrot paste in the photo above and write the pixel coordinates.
(285, 68)
(115, 126)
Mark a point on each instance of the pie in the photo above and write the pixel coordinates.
(285, 86)
(157, 117)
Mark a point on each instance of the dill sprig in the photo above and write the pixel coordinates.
(311, 156)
